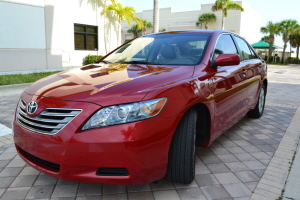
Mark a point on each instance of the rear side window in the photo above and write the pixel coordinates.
(246, 53)
(225, 45)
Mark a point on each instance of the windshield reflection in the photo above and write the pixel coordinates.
(162, 49)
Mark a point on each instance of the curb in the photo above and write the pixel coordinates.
(15, 86)
(272, 183)
(283, 66)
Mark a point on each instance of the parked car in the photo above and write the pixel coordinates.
(137, 114)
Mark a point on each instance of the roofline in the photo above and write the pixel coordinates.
(190, 31)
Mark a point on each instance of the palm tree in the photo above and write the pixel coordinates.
(155, 16)
(288, 27)
(135, 30)
(272, 29)
(295, 41)
(266, 38)
(146, 25)
(206, 18)
(225, 5)
(126, 14)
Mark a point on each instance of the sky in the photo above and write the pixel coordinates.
(270, 10)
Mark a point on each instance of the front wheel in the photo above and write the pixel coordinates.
(260, 105)
(181, 164)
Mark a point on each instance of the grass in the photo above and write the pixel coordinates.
(23, 78)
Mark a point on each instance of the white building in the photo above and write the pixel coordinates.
(51, 34)
(246, 24)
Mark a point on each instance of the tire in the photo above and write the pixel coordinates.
(181, 164)
(258, 111)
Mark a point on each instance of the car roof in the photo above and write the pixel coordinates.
(190, 31)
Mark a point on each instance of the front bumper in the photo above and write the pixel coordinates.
(139, 147)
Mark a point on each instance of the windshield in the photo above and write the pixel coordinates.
(163, 49)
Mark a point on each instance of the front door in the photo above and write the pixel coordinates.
(230, 88)
(252, 66)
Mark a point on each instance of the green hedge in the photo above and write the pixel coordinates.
(290, 59)
(91, 59)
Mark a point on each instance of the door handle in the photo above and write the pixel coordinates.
(244, 73)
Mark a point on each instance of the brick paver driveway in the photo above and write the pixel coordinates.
(229, 169)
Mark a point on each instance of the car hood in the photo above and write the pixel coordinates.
(108, 84)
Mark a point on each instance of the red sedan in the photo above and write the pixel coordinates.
(137, 115)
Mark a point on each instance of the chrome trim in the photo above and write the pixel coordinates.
(33, 130)
(42, 120)
(23, 104)
(40, 123)
(55, 114)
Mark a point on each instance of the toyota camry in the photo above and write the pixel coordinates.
(137, 115)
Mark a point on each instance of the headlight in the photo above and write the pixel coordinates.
(125, 113)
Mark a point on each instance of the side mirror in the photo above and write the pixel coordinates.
(227, 60)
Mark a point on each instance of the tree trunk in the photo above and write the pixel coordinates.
(206, 26)
(270, 52)
(104, 35)
(223, 19)
(155, 16)
(298, 52)
(118, 39)
(271, 42)
(283, 53)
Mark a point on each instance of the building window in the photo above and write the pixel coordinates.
(86, 37)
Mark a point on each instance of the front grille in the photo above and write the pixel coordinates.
(112, 171)
(50, 121)
(47, 164)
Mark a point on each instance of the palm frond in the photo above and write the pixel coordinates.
(224, 5)
(234, 6)
(206, 18)
(126, 14)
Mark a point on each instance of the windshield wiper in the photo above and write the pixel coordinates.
(138, 62)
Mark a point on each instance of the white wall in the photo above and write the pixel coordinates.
(250, 24)
(22, 26)
(39, 34)
(243, 23)
(60, 30)
(27, 2)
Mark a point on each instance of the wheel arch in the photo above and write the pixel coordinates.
(265, 82)
(203, 124)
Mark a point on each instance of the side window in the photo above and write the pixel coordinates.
(253, 55)
(224, 45)
(245, 50)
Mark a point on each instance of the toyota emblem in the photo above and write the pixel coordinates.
(32, 107)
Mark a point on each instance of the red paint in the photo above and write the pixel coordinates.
(141, 147)
(227, 60)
